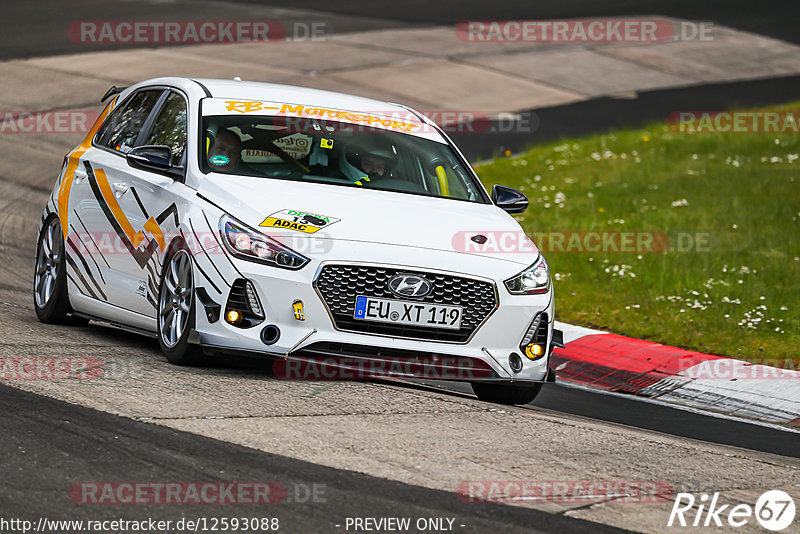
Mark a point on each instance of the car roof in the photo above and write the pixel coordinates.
(299, 95)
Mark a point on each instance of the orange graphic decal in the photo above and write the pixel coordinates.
(73, 159)
(155, 230)
(135, 237)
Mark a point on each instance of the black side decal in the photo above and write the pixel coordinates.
(78, 272)
(196, 264)
(200, 246)
(139, 201)
(69, 277)
(172, 210)
(85, 266)
(93, 243)
(91, 256)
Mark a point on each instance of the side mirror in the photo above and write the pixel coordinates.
(156, 158)
(509, 199)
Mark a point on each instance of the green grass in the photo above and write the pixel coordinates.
(736, 296)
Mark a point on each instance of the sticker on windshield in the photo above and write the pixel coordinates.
(405, 122)
(297, 146)
(301, 221)
(219, 159)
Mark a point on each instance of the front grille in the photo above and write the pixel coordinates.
(339, 285)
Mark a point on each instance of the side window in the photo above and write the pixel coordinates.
(122, 127)
(170, 127)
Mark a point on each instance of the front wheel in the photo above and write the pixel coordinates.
(176, 310)
(506, 393)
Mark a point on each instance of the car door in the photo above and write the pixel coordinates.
(106, 238)
(155, 199)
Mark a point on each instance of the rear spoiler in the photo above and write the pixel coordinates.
(113, 91)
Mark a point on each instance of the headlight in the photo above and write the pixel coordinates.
(248, 244)
(534, 280)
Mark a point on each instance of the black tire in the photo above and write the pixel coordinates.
(506, 393)
(54, 309)
(179, 352)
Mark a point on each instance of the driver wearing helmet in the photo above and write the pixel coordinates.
(225, 153)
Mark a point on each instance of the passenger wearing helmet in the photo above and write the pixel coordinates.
(369, 157)
(372, 165)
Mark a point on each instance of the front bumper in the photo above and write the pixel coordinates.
(488, 347)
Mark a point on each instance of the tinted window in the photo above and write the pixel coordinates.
(170, 127)
(122, 127)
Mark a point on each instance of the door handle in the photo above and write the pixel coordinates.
(120, 189)
(79, 175)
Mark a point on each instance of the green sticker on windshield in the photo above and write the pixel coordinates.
(219, 159)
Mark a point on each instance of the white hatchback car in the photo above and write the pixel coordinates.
(298, 224)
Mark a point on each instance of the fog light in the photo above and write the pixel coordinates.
(534, 351)
(233, 317)
(515, 362)
(534, 343)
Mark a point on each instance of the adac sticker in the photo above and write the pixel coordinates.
(219, 159)
(301, 221)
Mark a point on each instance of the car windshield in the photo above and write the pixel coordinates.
(333, 152)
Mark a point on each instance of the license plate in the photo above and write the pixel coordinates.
(405, 312)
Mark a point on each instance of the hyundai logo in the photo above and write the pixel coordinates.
(409, 285)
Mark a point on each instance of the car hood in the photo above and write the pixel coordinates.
(370, 216)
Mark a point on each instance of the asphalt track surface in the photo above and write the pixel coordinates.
(37, 27)
(48, 444)
(775, 18)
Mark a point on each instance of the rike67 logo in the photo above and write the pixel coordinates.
(774, 510)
